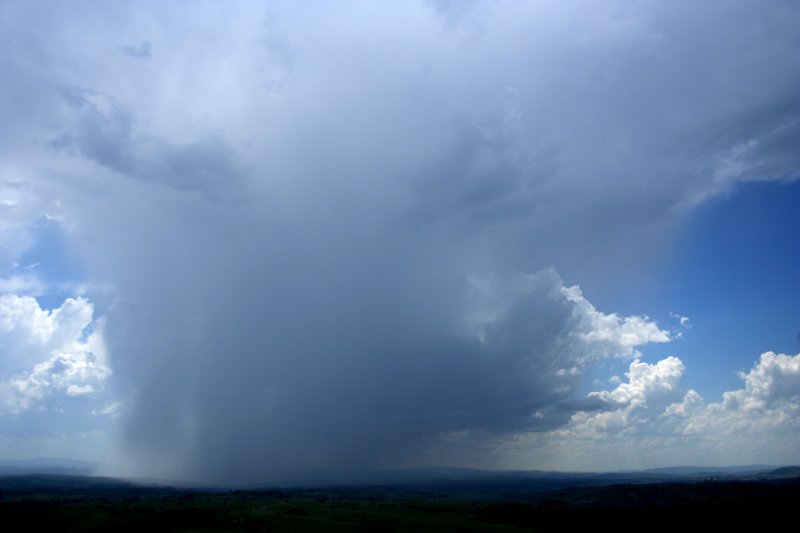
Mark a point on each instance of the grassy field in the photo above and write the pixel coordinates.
(53, 503)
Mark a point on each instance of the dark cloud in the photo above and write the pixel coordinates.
(487, 174)
(319, 379)
(105, 132)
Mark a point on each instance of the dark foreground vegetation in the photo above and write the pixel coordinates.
(65, 503)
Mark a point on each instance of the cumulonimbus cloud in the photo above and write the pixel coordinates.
(333, 235)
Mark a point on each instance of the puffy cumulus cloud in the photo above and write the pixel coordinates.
(314, 217)
(633, 405)
(646, 383)
(774, 379)
(610, 333)
(48, 355)
(769, 403)
(650, 419)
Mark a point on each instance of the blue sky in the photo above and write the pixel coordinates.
(735, 275)
(238, 240)
(732, 273)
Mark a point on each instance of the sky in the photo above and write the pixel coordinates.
(241, 239)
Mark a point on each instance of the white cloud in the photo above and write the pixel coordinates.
(691, 402)
(769, 401)
(22, 284)
(653, 417)
(683, 320)
(645, 383)
(48, 352)
(633, 404)
(80, 390)
(775, 378)
(610, 334)
(112, 409)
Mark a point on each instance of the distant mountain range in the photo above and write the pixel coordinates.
(47, 465)
(530, 479)
(689, 470)
(533, 480)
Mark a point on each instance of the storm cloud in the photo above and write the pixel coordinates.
(334, 236)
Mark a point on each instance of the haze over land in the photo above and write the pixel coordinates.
(240, 238)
